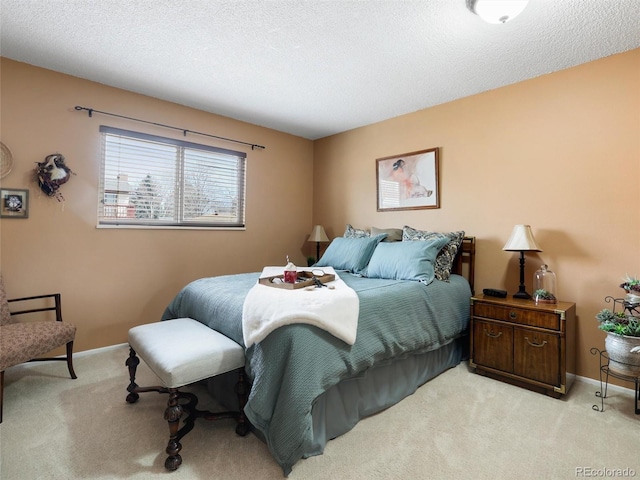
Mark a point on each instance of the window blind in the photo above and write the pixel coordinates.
(147, 180)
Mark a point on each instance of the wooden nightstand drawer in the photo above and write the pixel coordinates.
(537, 355)
(493, 345)
(535, 318)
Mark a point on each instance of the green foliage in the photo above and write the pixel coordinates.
(544, 294)
(631, 284)
(618, 323)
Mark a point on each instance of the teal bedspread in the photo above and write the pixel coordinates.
(295, 364)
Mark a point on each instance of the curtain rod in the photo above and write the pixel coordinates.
(184, 131)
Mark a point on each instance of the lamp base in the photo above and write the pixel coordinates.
(522, 295)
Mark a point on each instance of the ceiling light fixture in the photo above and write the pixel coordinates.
(497, 11)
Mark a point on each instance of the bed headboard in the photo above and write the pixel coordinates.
(464, 263)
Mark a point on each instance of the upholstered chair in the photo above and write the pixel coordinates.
(26, 341)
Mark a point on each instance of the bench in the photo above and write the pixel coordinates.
(181, 352)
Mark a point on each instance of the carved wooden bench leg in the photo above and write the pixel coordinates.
(172, 415)
(132, 363)
(242, 391)
(172, 342)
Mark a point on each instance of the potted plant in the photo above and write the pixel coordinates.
(544, 296)
(623, 340)
(631, 285)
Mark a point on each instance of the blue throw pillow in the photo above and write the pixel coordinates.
(405, 260)
(351, 254)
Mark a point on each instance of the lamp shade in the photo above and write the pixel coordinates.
(521, 239)
(497, 11)
(318, 234)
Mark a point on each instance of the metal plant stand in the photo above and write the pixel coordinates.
(605, 371)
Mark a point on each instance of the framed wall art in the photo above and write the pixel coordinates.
(14, 203)
(408, 181)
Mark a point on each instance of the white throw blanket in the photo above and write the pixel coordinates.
(267, 308)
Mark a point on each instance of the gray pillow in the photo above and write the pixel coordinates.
(405, 260)
(350, 254)
(444, 260)
(393, 234)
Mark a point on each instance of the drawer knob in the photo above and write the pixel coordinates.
(535, 344)
(491, 334)
(513, 315)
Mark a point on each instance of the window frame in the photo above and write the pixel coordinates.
(237, 162)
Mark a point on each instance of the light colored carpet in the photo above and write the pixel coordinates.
(459, 425)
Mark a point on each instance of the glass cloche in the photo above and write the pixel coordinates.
(544, 283)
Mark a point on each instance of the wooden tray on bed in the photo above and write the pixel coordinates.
(305, 279)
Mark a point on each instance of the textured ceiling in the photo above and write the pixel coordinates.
(311, 68)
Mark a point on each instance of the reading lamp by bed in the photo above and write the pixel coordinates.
(318, 235)
(521, 240)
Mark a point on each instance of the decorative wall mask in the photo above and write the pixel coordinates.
(51, 174)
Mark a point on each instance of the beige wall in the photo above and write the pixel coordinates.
(110, 279)
(560, 152)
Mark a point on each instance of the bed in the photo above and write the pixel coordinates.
(307, 385)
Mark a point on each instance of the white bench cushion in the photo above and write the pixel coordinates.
(184, 351)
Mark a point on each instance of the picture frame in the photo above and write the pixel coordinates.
(408, 181)
(14, 203)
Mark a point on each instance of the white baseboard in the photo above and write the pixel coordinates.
(611, 386)
(93, 351)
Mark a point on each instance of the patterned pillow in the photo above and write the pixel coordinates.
(351, 232)
(444, 260)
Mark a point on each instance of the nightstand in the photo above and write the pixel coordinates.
(528, 345)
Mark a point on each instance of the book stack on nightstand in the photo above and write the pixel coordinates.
(527, 344)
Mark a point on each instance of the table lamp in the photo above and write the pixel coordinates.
(521, 240)
(318, 235)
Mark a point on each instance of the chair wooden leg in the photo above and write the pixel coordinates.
(1, 393)
(172, 415)
(70, 360)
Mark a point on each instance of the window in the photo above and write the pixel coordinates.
(152, 181)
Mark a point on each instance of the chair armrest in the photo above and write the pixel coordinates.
(57, 307)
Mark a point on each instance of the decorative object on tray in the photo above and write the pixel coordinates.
(622, 343)
(521, 240)
(14, 203)
(544, 284)
(408, 181)
(51, 174)
(290, 272)
(303, 279)
(6, 160)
